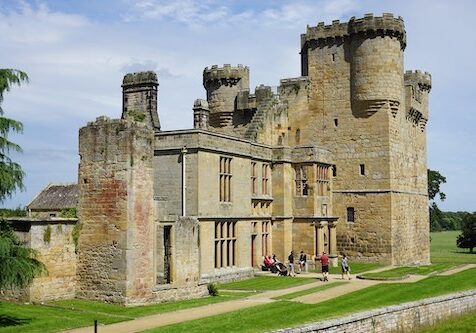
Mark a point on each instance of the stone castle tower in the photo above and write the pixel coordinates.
(355, 99)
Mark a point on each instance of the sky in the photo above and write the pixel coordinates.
(77, 52)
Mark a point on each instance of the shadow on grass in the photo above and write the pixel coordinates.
(6, 321)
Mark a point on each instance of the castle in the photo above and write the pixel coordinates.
(334, 161)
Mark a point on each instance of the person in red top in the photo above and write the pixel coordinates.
(325, 266)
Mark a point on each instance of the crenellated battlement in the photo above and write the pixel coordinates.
(419, 79)
(140, 78)
(385, 25)
(225, 73)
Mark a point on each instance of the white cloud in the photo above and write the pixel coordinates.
(38, 25)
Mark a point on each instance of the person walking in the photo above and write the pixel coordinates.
(291, 264)
(325, 266)
(345, 267)
(302, 261)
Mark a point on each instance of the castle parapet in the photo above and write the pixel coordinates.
(139, 98)
(385, 25)
(227, 74)
(139, 79)
(223, 84)
(419, 79)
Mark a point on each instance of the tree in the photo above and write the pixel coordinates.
(435, 179)
(11, 174)
(18, 265)
(467, 239)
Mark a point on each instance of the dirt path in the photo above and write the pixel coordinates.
(457, 269)
(168, 318)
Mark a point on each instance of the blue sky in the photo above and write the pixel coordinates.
(76, 53)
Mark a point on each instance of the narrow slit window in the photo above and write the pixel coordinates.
(336, 122)
(362, 169)
(350, 215)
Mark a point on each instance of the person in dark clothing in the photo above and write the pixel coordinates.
(325, 266)
(302, 261)
(291, 264)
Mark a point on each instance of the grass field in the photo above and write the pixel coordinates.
(310, 291)
(401, 272)
(63, 315)
(444, 255)
(287, 313)
(444, 249)
(262, 283)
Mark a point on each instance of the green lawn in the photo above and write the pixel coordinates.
(463, 324)
(261, 283)
(401, 272)
(311, 290)
(444, 249)
(287, 313)
(76, 313)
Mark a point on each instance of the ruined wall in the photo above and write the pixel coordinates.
(117, 212)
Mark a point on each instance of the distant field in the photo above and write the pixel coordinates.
(444, 249)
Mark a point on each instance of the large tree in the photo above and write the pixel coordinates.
(18, 265)
(11, 174)
(467, 239)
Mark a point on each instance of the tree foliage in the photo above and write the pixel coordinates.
(18, 264)
(11, 174)
(435, 179)
(467, 239)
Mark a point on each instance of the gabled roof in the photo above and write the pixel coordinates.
(56, 197)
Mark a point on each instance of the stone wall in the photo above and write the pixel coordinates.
(116, 211)
(406, 317)
(53, 242)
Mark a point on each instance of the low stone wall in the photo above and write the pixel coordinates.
(172, 293)
(405, 317)
(227, 275)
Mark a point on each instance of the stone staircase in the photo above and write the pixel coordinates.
(259, 118)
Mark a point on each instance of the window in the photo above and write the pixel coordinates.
(334, 171)
(322, 180)
(362, 169)
(298, 136)
(336, 122)
(225, 179)
(225, 244)
(265, 179)
(265, 238)
(350, 215)
(254, 181)
(333, 57)
(300, 176)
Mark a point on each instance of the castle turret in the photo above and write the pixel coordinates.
(139, 98)
(417, 88)
(223, 85)
(377, 45)
(201, 114)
